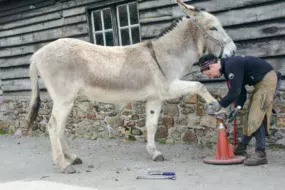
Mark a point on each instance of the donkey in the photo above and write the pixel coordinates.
(149, 71)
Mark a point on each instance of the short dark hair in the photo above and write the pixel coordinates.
(207, 60)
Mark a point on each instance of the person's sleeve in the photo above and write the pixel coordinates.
(242, 97)
(235, 72)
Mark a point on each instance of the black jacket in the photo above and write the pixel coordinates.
(241, 71)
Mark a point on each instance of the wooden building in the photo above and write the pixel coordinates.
(256, 26)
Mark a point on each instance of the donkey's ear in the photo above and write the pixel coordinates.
(188, 9)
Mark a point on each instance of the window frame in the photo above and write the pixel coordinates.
(103, 31)
(102, 4)
(129, 26)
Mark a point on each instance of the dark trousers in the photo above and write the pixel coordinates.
(259, 135)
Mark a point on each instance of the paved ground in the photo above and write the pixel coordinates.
(116, 165)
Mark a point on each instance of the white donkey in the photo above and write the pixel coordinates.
(148, 71)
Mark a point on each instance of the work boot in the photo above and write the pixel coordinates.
(241, 150)
(258, 158)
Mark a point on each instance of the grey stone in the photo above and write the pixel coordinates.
(174, 101)
(130, 124)
(200, 109)
(3, 107)
(169, 141)
(137, 132)
(186, 110)
(18, 133)
(135, 117)
(4, 125)
(193, 120)
(274, 138)
(100, 116)
(183, 121)
(127, 112)
(83, 106)
(101, 129)
(141, 123)
(112, 114)
(200, 132)
(208, 121)
(114, 121)
(161, 133)
(170, 109)
(168, 121)
(78, 113)
(82, 99)
(91, 115)
(83, 127)
(174, 133)
(106, 107)
(11, 106)
(191, 99)
(189, 137)
(90, 166)
(43, 112)
(138, 107)
(200, 99)
(94, 137)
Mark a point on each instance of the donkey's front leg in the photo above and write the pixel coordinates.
(179, 88)
(153, 108)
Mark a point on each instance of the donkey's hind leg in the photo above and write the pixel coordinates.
(153, 108)
(72, 158)
(56, 127)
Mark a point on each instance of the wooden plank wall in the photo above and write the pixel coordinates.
(28, 25)
(256, 26)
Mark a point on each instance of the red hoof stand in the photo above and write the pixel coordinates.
(224, 152)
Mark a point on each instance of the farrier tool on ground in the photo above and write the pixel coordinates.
(150, 172)
(173, 177)
(156, 174)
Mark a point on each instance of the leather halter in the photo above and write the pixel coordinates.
(207, 36)
(153, 54)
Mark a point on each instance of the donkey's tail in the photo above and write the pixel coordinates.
(35, 100)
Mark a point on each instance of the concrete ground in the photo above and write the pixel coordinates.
(26, 163)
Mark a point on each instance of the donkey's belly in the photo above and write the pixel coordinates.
(119, 96)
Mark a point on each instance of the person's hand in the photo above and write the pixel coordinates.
(213, 108)
(233, 114)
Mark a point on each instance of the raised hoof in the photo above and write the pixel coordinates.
(68, 170)
(76, 161)
(159, 158)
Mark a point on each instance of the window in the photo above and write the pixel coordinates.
(115, 25)
(103, 33)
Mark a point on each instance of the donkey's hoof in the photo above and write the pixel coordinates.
(76, 161)
(159, 158)
(68, 170)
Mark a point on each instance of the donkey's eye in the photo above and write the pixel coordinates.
(214, 28)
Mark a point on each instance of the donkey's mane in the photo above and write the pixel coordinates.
(171, 27)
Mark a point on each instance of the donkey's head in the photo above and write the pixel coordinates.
(216, 40)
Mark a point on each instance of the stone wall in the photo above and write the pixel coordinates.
(181, 120)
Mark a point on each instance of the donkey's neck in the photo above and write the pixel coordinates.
(179, 49)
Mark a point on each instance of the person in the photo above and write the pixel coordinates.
(241, 71)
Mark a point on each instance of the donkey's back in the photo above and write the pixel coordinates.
(97, 71)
